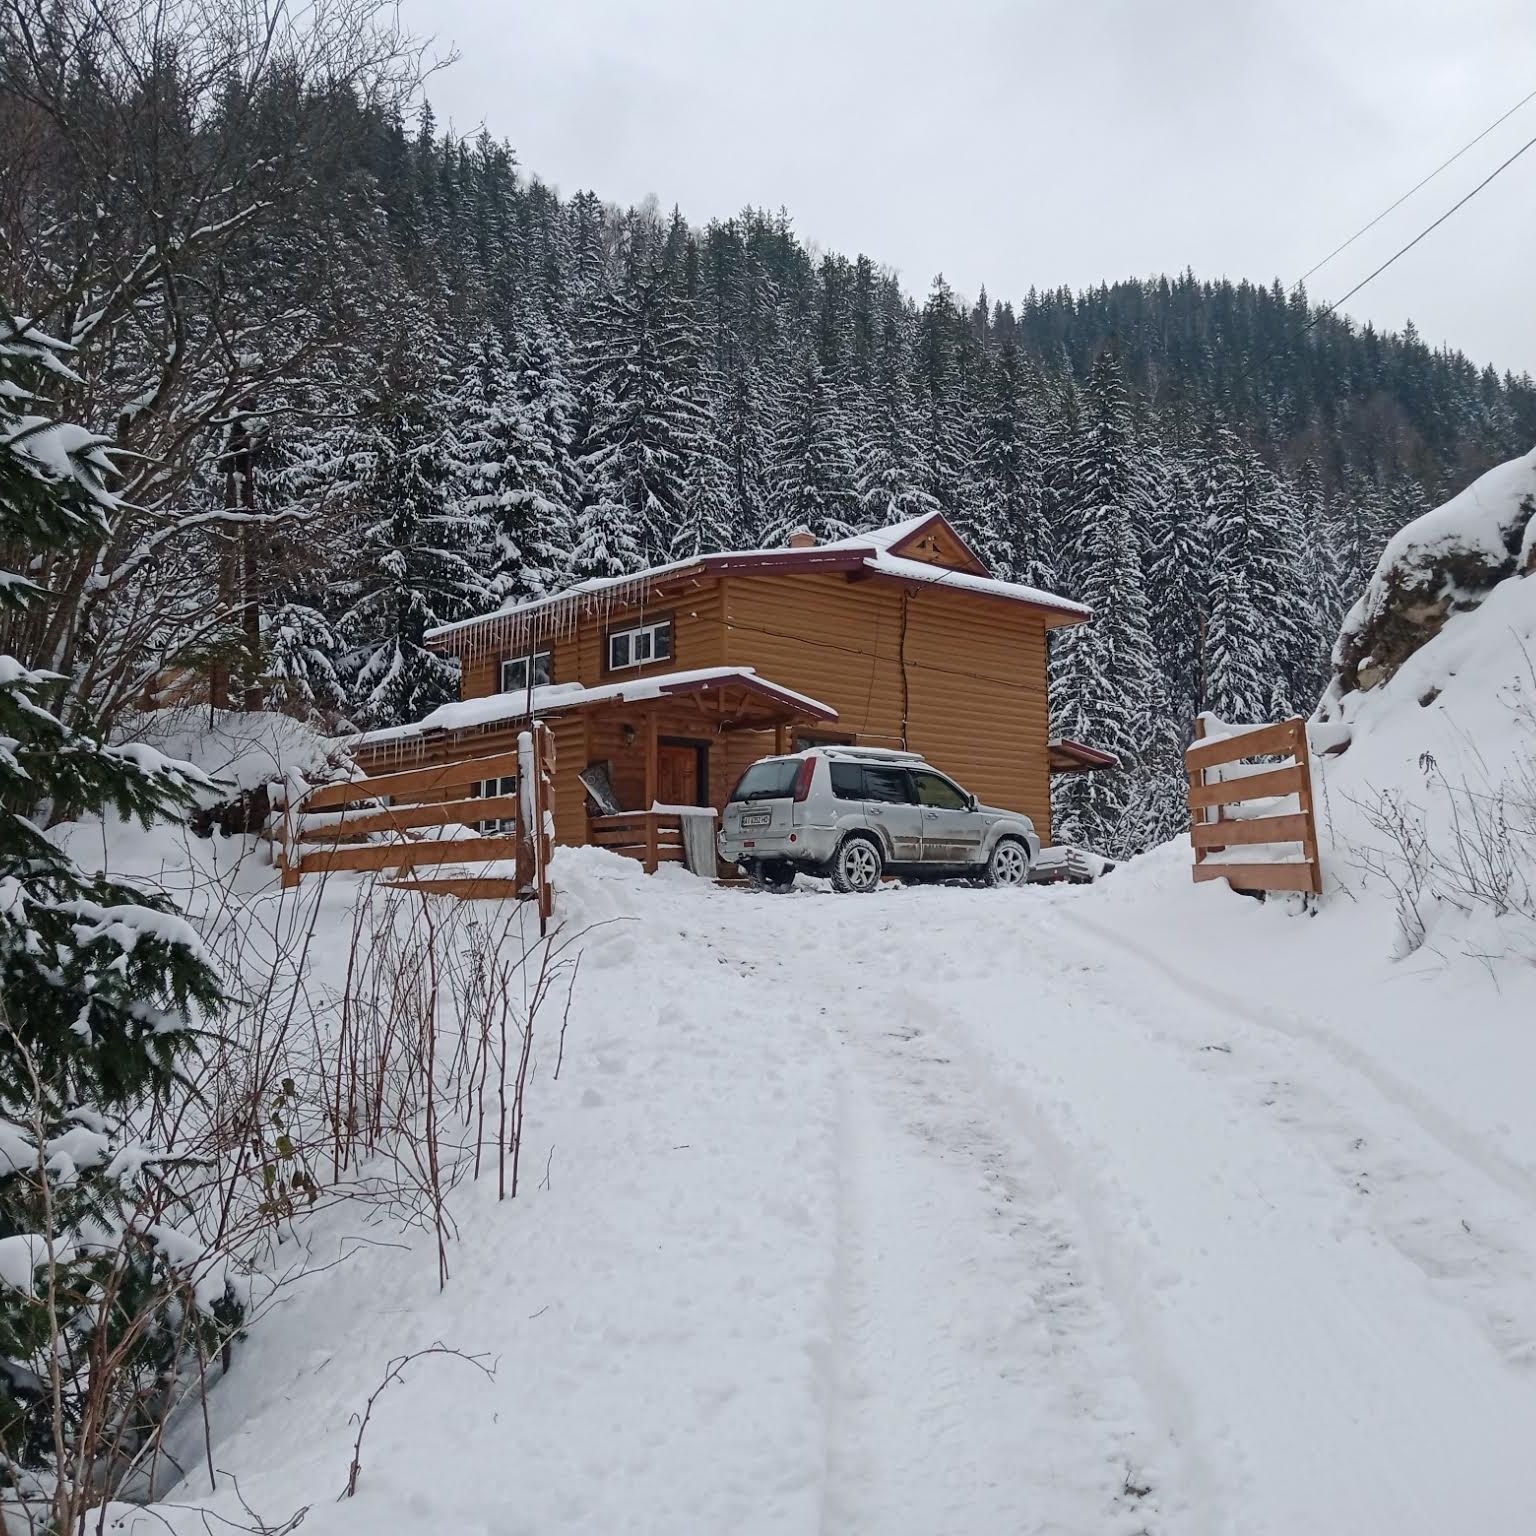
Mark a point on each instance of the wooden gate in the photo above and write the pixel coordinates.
(384, 823)
(1220, 780)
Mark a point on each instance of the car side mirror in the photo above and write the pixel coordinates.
(972, 803)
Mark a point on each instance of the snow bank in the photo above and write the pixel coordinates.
(1426, 738)
(240, 751)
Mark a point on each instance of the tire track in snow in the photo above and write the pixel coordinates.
(1408, 1177)
(1056, 1411)
(1432, 1122)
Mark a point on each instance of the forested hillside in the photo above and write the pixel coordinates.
(366, 377)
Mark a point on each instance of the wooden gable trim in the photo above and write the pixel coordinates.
(936, 541)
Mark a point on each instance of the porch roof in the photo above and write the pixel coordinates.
(761, 701)
(1068, 756)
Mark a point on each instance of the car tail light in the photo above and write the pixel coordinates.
(803, 779)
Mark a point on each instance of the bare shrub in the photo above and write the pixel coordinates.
(381, 1087)
(1470, 846)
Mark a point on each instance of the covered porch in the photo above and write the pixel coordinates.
(659, 760)
(642, 767)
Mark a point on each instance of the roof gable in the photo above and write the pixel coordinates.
(935, 541)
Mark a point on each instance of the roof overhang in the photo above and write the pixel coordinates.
(730, 699)
(1068, 756)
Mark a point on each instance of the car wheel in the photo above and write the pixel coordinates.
(1008, 864)
(776, 875)
(858, 866)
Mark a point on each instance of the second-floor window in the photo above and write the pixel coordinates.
(644, 643)
(515, 671)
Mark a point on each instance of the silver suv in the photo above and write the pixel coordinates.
(858, 813)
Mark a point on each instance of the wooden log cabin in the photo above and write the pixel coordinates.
(662, 687)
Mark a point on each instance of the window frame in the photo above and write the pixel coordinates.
(530, 660)
(919, 774)
(661, 623)
(488, 789)
(896, 768)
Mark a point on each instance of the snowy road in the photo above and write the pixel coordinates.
(935, 1213)
(1118, 1252)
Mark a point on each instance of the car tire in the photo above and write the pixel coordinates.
(776, 875)
(1007, 864)
(857, 866)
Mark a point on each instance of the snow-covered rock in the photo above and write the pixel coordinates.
(1446, 562)
(1425, 743)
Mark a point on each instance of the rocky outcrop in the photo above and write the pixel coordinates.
(1443, 563)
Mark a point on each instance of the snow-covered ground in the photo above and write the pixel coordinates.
(1135, 1207)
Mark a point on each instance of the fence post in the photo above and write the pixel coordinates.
(1304, 799)
(544, 769)
(289, 854)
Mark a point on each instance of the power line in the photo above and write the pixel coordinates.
(1323, 314)
(1444, 165)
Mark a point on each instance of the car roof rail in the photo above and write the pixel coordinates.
(876, 754)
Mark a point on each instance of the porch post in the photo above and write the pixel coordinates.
(780, 739)
(652, 774)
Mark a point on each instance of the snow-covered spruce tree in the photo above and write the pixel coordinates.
(603, 537)
(511, 456)
(650, 430)
(418, 566)
(888, 454)
(813, 473)
(1175, 565)
(1015, 535)
(1106, 689)
(102, 990)
(1236, 672)
(299, 673)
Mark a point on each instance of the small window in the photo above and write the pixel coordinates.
(847, 781)
(514, 671)
(486, 789)
(933, 789)
(890, 786)
(639, 646)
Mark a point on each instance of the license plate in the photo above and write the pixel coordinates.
(756, 818)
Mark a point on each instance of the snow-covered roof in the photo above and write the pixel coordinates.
(870, 552)
(554, 698)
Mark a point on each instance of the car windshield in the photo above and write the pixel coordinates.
(772, 779)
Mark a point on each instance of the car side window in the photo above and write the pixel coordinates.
(935, 790)
(890, 786)
(848, 781)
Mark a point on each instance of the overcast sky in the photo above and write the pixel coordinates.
(1046, 141)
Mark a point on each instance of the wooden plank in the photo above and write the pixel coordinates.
(1238, 833)
(1266, 741)
(412, 782)
(464, 887)
(1261, 877)
(406, 855)
(441, 813)
(632, 837)
(1257, 786)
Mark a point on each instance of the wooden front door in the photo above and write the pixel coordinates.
(678, 779)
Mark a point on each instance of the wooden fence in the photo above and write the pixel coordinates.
(1214, 825)
(653, 837)
(379, 824)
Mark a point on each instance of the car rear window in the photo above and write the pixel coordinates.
(848, 781)
(773, 779)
